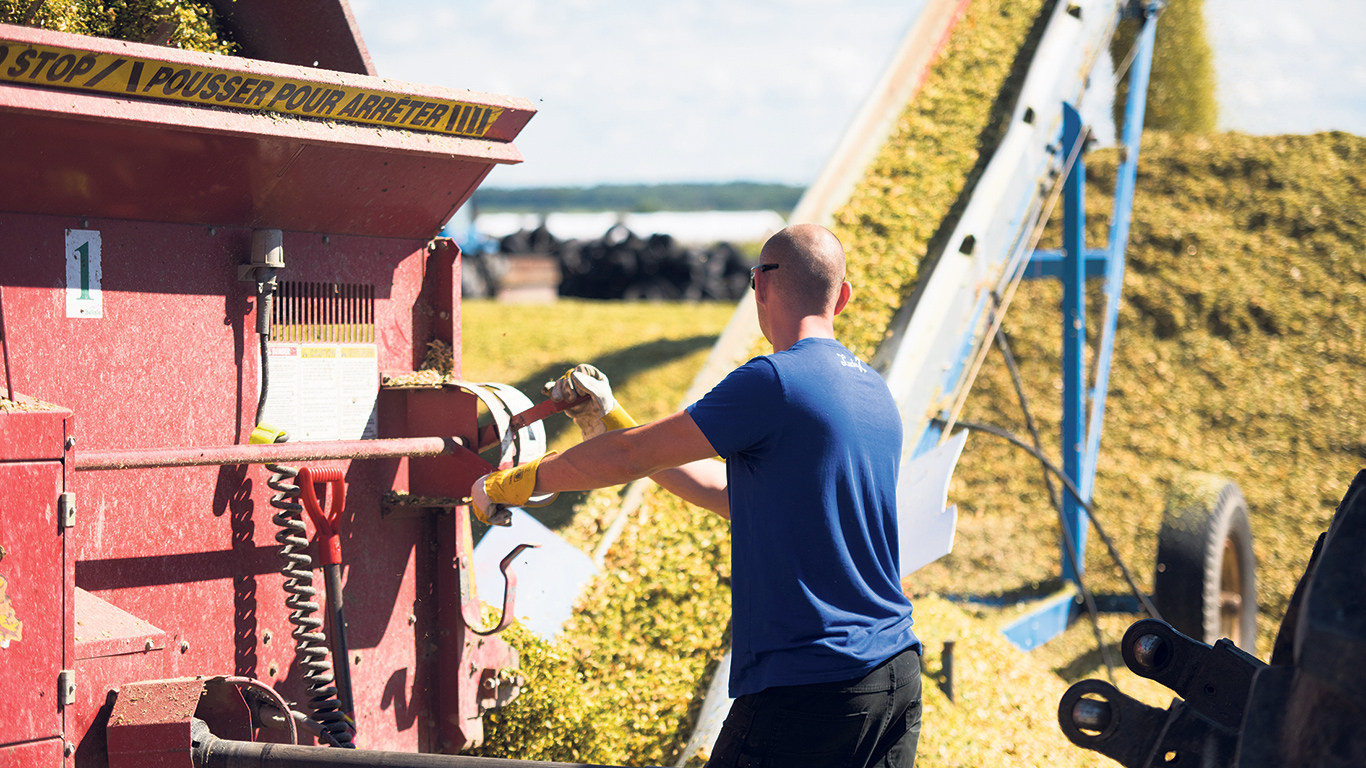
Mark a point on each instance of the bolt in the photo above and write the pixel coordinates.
(85, 222)
(70, 442)
(356, 661)
(327, 240)
(184, 646)
(3, 553)
(1151, 652)
(412, 617)
(68, 749)
(266, 637)
(273, 669)
(211, 232)
(490, 683)
(148, 645)
(1092, 714)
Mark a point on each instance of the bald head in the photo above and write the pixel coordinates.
(812, 270)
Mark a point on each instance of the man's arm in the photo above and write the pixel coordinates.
(672, 450)
(701, 482)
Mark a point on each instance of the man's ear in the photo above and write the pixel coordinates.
(846, 291)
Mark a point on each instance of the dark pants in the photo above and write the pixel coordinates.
(870, 721)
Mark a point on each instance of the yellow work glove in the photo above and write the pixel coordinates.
(493, 494)
(597, 414)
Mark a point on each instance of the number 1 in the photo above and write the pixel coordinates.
(84, 251)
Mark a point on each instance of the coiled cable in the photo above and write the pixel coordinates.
(310, 642)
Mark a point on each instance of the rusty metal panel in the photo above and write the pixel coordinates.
(31, 609)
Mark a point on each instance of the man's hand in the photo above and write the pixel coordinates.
(597, 414)
(493, 494)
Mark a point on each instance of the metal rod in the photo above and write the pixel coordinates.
(946, 664)
(212, 752)
(147, 458)
(341, 650)
(4, 346)
(1074, 335)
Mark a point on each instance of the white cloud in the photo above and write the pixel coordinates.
(1289, 68)
(629, 91)
(714, 90)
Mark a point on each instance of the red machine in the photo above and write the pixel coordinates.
(170, 220)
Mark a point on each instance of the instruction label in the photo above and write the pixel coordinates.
(83, 274)
(323, 391)
(129, 76)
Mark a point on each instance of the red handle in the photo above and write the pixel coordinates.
(328, 526)
(488, 436)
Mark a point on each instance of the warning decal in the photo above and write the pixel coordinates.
(129, 76)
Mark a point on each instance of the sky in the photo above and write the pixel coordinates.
(634, 91)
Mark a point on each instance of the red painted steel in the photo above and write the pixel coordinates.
(179, 572)
(34, 754)
(104, 630)
(149, 726)
(278, 453)
(320, 33)
(34, 604)
(515, 113)
(94, 155)
(195, 555)
(28, 435)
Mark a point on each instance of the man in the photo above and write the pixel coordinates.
(825, 667)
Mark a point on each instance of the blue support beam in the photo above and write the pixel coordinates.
(1073, 337)
(1051, 617)
(1046, 621)
(1127, 176)
(1044, 263)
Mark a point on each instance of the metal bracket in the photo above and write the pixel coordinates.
(66, 687)
(66, 509)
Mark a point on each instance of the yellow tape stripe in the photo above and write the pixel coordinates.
(207, 86)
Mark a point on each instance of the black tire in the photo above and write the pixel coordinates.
(1206, 584)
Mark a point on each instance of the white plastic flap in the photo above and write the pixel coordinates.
(925, 523)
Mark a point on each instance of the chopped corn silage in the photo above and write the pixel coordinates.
(195, 24)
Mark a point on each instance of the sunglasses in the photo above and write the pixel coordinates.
(756, 269)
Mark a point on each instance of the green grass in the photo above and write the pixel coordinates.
(649, 351)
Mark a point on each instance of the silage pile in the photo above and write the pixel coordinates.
(624, 684)
(189, 24)
(1241, 350)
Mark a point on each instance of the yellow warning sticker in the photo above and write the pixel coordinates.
(11, 628)
(129, 76)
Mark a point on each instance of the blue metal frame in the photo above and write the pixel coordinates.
(1073, 334)
(1081, 430)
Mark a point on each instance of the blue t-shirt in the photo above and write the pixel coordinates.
(812, 442)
